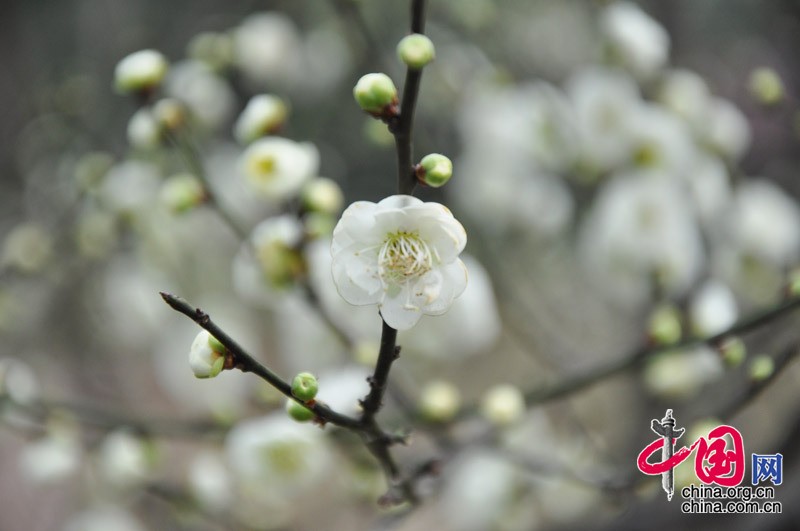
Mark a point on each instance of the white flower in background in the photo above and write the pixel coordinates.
(635, 39)
(51, 458)
(130, 186)
(401, 254)
(267, 48)
(712, 309)
(143, 130)
(686, 94)
(107, 518)
(765, 223)
(439, 401)
(277, 168)
(462, 331)
(270, 261)
(533, 122)
(641, 232)
(210, 482)
(140, 70)
(263, 115)
(709, 184)
(341, 388)
(503, 404)
(124, 459)
(727, 129)
(605, 103)
(660, 140)
(18, 381)
(208, 96)
(27, 247)
(682, 374)
(479, 490)
(278, 455)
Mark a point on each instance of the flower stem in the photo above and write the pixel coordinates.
(404, 124)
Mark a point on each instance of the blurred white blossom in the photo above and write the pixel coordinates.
(641, 234)
(635, 39)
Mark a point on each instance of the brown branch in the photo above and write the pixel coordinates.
(402, 126)
(246, 363)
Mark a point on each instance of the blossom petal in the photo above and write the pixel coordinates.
(356, 278)
(453, 284)
(444, 235)
(398, 313)
(399, 201)
(356, 225)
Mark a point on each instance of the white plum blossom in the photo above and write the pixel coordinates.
(713, 308)
(124, 459)
(635, 39)
(605, 102)
(208, 96)
(401, 254)
(641, 231)
(727, 129)
(765, 223)
(277, 168)
(267, 48)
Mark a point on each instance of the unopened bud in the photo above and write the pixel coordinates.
(140, 71)
(503, 404)
(180, 193)
(298, 412)
(416, 50)
(322, 195)
(664, 327)
(264, 114)
(376, 94)
(305, 386)
(761, 368)
(439, 401)
(766, 86)
(206, 357)
(170, 114)
(733, 351)
(434, 170)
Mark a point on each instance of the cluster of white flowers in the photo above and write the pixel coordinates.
(664, 210)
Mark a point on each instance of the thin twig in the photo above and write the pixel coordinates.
(583, 381)
(378, 382)
(246, 363)
(194, 164)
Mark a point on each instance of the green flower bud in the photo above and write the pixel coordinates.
(376, 94)
(305, 386)
(434, 170)
(664, 327)
(416, 50)
(761, 368)
(298, 412)
(733, 351)
(213, 49)
(794, 283)
(322, 195)
(140, 71)
(766, 86)
(181, 193)
(318, 225)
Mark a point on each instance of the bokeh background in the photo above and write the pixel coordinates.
(623, 179)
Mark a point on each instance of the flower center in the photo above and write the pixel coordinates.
(403, 257)
(262, 167)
